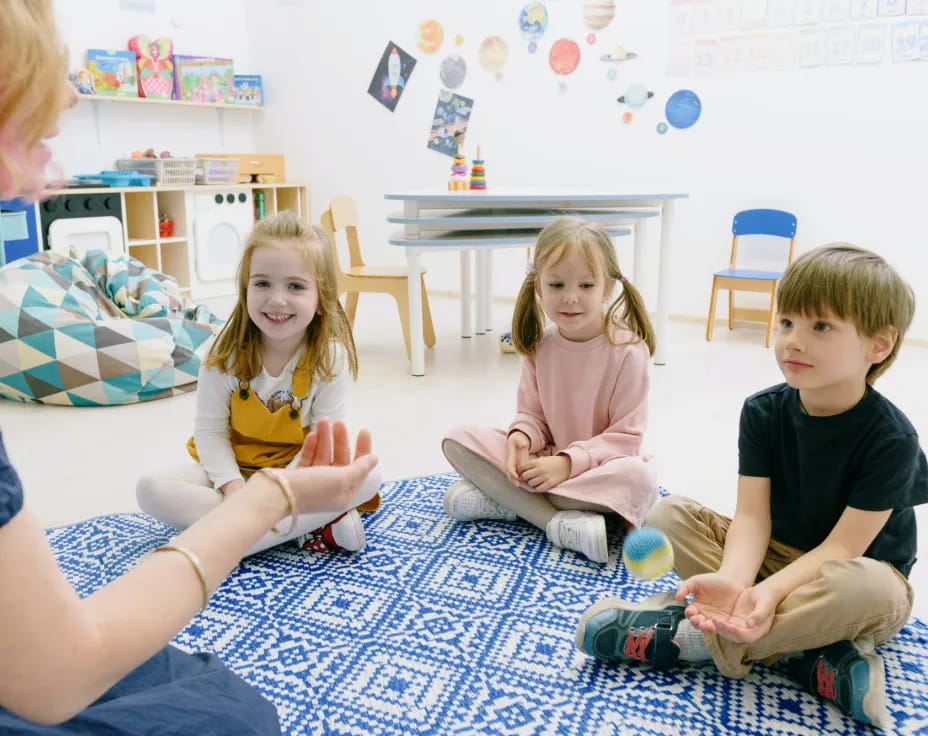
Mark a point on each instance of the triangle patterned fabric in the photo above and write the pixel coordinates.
(97, 330)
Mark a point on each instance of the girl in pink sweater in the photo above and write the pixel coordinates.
(573, 451)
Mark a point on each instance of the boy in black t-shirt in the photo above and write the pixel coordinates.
(813, 568)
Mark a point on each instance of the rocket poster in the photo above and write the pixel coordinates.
(391, 76)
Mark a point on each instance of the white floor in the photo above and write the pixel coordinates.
(81, 462)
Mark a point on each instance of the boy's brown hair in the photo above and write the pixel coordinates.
(852, 284)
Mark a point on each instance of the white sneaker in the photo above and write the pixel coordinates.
(465, 502)
(345, 533)
(580, 531)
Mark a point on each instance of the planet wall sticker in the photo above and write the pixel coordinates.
(597, 14)
(453, 71)
(564, 56)
(618, 55)
(533, 21)
(635, 96)
(431, 34)
(683, 108)
(493, 53)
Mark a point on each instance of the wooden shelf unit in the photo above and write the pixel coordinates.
(141, 207)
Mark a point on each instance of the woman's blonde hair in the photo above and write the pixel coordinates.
(33, 92)
(853, 284)
(592, 242)
(237, 349)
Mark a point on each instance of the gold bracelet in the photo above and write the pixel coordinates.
(197, 566)
(281, 480)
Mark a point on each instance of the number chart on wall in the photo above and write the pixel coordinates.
(721, 36)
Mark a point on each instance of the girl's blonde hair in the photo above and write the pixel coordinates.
(237, 349)
(853, 284)
(33, 92)
(592, 242)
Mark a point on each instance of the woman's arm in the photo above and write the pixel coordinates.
(52, 642)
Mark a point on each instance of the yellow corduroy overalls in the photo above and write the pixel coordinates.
(262, 438)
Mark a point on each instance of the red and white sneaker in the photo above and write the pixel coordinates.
(344, 533)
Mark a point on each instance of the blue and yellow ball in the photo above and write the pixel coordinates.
(647, 553)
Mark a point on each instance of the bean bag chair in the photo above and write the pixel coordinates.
(97, 330)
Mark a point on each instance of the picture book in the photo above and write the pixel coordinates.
(248, 89)
(203, 79)
(113, 72)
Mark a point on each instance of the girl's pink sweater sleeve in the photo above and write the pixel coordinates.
(628, 417)
(530, 417)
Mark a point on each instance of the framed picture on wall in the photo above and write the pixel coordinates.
(452, 114)
(391, 76)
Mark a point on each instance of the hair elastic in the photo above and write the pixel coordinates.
(623, 279)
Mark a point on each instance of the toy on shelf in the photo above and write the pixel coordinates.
(478, 174)
(165, 225)
(82, 81)
(156, 70)
(118, 178)
(458, 180)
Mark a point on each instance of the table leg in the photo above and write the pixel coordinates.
(641, 250)
(414, 286)
(661, 327)
(480, 255)
(488, 291)
(466, 304)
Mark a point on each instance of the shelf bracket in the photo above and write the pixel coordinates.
(221, 122)
(96, 119)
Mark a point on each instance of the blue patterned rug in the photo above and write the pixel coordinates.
(439, 627)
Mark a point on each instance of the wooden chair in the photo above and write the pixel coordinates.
(752, 222)
(342, 215)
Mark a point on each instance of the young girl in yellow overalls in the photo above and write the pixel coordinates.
(284, 360)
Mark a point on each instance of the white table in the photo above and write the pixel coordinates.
(479, 221)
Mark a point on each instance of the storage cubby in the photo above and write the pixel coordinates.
(141, 208)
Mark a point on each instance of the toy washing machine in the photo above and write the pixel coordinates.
(222, 221)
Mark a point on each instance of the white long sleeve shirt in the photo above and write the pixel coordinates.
(327, 399)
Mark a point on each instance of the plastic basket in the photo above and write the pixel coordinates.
(217, 170)
(167, 171)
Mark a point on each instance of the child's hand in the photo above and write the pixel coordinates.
(714, 596)
(544, 473)
(517, 445)
(227, 489)
(751, 617)
(721, 606)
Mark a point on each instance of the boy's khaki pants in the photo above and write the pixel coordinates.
(848, 599)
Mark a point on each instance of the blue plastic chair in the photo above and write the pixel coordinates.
(752, 222)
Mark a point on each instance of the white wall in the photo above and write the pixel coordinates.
(205, 28)
(842, 147)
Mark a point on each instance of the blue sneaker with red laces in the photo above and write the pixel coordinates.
(614, 630)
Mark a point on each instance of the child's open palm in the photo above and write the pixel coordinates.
(722, 606)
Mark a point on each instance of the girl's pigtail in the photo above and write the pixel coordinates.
(528, 321)
(634, 313)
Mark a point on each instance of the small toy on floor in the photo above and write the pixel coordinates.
(505, 343)
(647, 553)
